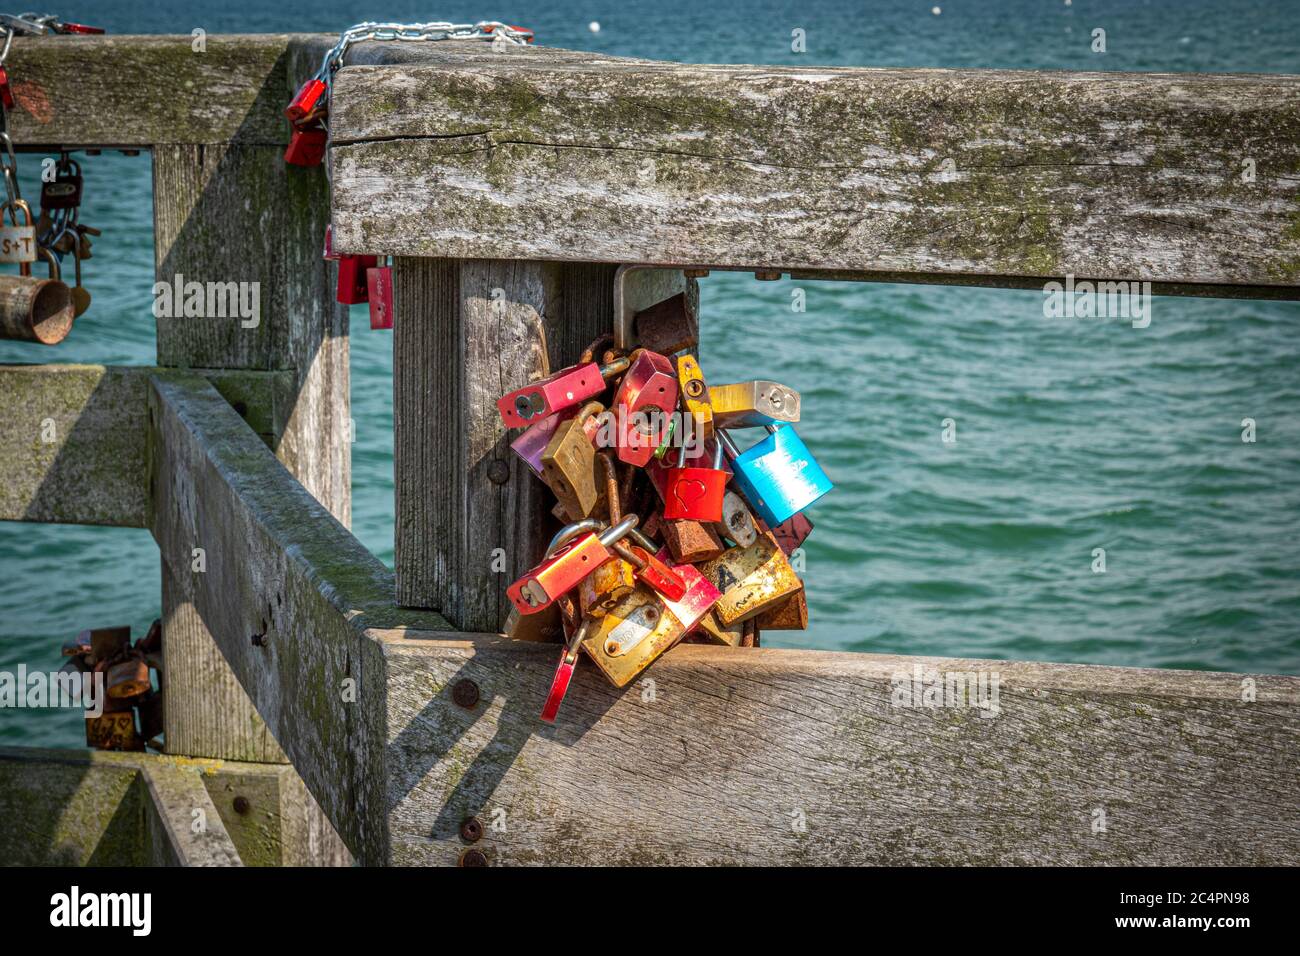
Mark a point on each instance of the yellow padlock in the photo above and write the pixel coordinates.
(751, 579)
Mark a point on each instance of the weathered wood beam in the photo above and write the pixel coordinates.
(73, 447)
(285, 593)
(79, 807)
(1182, 180)
(183, 825)
(724, 756)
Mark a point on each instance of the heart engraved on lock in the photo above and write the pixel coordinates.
(688, 491)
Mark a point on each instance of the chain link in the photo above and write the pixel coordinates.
(439, 30)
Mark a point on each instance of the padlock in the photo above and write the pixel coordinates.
(793, 532)
(568, 560)
(18, 239)
(570, 468)
(668, 326)
(567, 388)
(352, 287)
(532, 443)
(712, 631)
(696, 493)
(752, 404)
(6, 91)
(605, 587)
(564, 673)
(690, 542)
(64, 192)
(305, 100)
(640, 627)
(129, 678)
(751, 579)
(379, 291)
(643, 406)
(114, 729)
(737, 523)
(107, 643)
(778, 476)
(651, 570)
(695, 395)
(306, 146)
(789, 615)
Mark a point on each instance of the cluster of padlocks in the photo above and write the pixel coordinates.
(640, 436)
(130, 710)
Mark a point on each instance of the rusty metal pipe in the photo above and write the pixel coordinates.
(35, 310)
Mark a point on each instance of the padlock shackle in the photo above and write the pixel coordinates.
(571, 531)
(616, 367)
(619, 531)
(726, 441)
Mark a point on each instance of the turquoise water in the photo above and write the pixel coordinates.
(1071, 435)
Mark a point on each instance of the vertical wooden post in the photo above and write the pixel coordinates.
(237, 213)
(470, 516)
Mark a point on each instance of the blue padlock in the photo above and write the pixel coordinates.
(779, 475)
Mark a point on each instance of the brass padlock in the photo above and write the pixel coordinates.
(695, 395)
(712, 631)
(634, 632)
(751, 579)
(570, 468)
(753, 404)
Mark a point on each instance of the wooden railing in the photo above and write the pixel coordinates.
(510, 185)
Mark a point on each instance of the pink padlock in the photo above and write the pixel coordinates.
(379, 288)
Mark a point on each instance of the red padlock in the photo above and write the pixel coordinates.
(329, 242)
(79, 28)
(564, 673)
(566, 565)
(6, 92)
(648, 568)
(695, 493)
(379, 287)
(305, 100)
(306, 147)
(352, 278)
(642, 406)
(567, 388)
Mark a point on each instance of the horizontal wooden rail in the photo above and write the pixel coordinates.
(1001, 177)
(720, 755)
(74, 446)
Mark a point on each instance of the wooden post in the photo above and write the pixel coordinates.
(470, 516)
(238, 213)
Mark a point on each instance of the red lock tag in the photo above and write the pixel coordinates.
(306, 147)
(379, 287)
(6, 92)
(80, 28)
(654, 572)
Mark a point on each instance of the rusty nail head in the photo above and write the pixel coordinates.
(767, 275)
(473, 858)
(695, 273)
(498, 472)
(465, 692)
(242, 806)
(471, 830)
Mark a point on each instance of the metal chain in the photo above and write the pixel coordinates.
(439, 30)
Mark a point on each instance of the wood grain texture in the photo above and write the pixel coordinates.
(175, 794)
(801, 757)
(143, 90)
(465, 334)
(93, 468)
(989, 173)
(281, 567)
